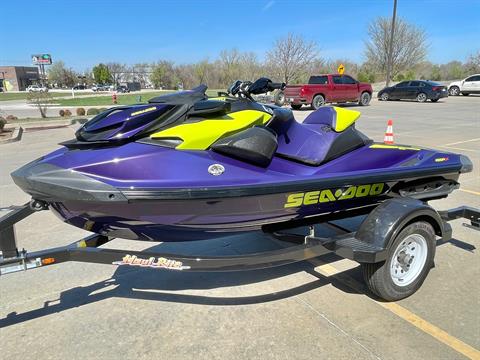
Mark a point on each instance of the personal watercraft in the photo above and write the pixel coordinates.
(188, 167)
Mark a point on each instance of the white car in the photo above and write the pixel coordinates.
(470, 85)
(37, 88)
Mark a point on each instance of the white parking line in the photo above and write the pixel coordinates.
(461, 142)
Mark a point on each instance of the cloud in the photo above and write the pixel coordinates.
(268, 5)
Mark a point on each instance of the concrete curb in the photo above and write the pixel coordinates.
(16, 136)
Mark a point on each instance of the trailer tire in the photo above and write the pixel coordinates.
(409, 260)
(279, 98)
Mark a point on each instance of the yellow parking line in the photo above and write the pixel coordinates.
(403, 313)
(432, 330)
(470, 191)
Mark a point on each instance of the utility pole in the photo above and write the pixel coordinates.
(390, 45)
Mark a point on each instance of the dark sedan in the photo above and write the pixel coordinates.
(419, 90)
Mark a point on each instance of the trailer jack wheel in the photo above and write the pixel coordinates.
(409, 260)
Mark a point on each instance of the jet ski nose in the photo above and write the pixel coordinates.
(51, 183)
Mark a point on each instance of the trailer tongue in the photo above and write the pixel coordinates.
(377, 244)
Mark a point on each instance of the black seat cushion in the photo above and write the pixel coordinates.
(255, 145)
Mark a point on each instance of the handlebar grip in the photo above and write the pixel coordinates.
(280, 86)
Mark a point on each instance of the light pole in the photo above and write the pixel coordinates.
(390, 45)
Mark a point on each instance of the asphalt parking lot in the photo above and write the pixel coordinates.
(311, 310)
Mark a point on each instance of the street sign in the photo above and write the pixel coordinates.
(341, 69)
(45, 59)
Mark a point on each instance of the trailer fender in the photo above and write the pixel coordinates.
(384, 223)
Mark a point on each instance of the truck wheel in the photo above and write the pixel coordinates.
(454, 91)
(279, 98)
(422, 97)
(364, 99)
(296, 106)
(318, 101)
(409, 260)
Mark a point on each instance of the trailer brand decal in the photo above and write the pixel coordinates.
(153, 108)
(152, 262)
(441, 159)
(329, 195)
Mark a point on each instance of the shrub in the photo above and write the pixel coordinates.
(68, 113)
(3, 122)
(80, 111)
(92, 111)
(61, 112)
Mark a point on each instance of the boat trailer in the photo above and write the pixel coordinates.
(363, 245)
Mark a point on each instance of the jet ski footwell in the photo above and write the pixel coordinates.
(369, 244)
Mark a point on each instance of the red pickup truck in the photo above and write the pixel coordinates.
(331, 88)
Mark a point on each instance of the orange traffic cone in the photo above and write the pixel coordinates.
(388, 139)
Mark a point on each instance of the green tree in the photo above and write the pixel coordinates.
(163, 75)
(101, 74)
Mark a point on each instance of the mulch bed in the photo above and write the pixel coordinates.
(6, 134)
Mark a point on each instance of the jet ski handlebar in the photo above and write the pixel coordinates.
(260, 86)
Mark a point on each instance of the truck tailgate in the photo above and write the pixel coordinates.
(292, 91)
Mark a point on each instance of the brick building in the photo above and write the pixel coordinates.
(17, 78)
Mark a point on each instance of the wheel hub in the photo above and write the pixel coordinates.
(408, 260)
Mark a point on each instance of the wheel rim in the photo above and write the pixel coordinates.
(281, 98)
(421, 97)
(384, 97)
(408, 260)
(454, 91)
(365, 99)
(318, 101)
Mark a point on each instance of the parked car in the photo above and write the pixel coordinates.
(419, 90)
(122, 89)
(37, 88)
(467, 86)
(327, 88)
(80, 87)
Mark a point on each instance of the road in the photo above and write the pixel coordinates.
(310, 310)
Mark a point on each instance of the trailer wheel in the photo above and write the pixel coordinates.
(279, 98)
(410, 258)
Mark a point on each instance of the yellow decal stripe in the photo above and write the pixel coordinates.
(153, 108)
(397, 147)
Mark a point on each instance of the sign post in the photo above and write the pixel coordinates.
(41, 60)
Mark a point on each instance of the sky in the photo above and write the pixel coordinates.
(83, 33)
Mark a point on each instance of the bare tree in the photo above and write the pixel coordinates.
(409, 45)
(290, 57)
(230, 65)
(472, 65)
(40, 99)
(201, 71)
(250, 67)
(117, 71)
